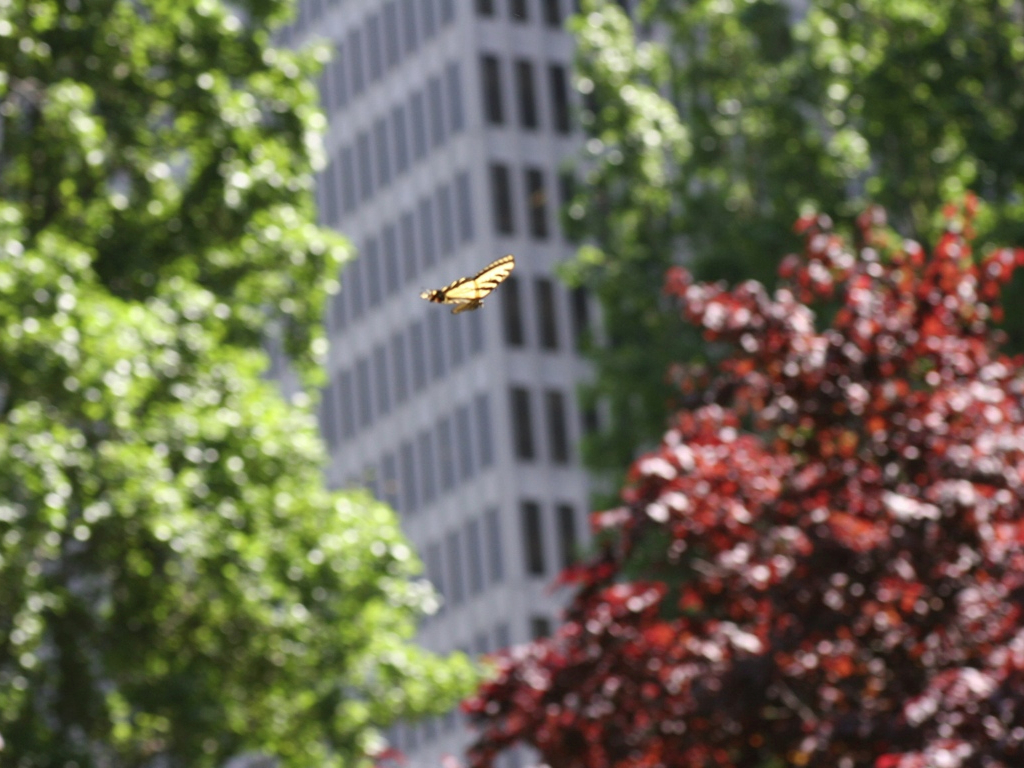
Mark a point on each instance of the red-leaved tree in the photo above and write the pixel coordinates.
(831, 538)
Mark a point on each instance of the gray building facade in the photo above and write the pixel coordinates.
(449, 121)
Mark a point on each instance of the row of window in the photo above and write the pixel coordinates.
(404, 248)
(535, 195)
(464, 562)
(519, 10)
(545, 295)
(456, 564)
(395, 141)
(386, 37)
(525, 82)
(393, 372)
(435, 460)
(556, 422)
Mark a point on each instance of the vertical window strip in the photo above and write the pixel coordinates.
(495, 561)
(453, 81)
(398, 365)
(533, 538)
(547, 318)
(485, 446)
(401, 139)
(501, 199)
(527, 96)
(512, 313)
(558, 427)
(537, 203)
(464, 195)
(474, 557)
(436, 104)
(522, 424)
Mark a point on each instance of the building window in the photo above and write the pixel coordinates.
(392, 268)
(533, 538)
(363, 160)
(428, 477)
(426, 216)
(446, 458)
(407, 460)
(474, 552)
(328, 417)
(438, 367)
(355, 49)
(408, 227)
(537, 203)
(457, 585)
(501, 199)
(540, 627)
(546, 317)
(567, 540)
(346, 397)
(380, 366)
(464, 195)
(419, 358)
(494, 112)
(401, 139)
(512, 313)
(482, 412)
(374, 47)
(558, 427)
(495, 563)
(389, 480)
(522, 424)
(553, 12)
(446, 213)
(340, 79)
(559, 98)
(392, 45)
(409, 25)
(526, 94)
(364, 392)
(398, 366)
(435, 571)
(464, 442)
(339, 317)
(418, 114)
(518, 11)
(485, 7)
(436, 101)
(429, 19)
(380, 138)
(580, 309)
(355, 276)
(371, 260)
(348, 180)
(453, 80)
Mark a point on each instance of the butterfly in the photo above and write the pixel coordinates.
(469, 292)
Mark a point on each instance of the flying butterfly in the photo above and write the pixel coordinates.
(469, 292)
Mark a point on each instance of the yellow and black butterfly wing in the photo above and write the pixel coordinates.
(469, 292)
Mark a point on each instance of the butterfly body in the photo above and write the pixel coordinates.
(468, 293)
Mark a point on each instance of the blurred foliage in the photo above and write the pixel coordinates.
(832, 534)
(710, 122)
(176, 584)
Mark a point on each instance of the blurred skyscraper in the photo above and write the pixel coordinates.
(449, 121)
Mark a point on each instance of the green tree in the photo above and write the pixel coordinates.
(710, 122)
(176, 584)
